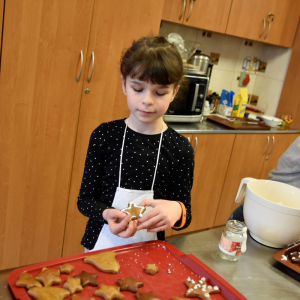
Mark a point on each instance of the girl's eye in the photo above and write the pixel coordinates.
(138, 91)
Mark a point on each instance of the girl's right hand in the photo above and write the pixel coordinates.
(119, 223)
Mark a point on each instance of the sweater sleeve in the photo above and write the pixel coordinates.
(183, 182)
(89, 200)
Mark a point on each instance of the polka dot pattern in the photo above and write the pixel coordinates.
(174, 177)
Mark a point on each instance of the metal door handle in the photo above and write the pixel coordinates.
(183, 9)
(196, 140)
(270, 18)
(263, 28)
(189, 139)
(191, 9)
(81, 62)
(268, 138)
(273, 139)
(195, 97)
(93, 64)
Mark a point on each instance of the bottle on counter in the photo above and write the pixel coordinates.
(233, 240)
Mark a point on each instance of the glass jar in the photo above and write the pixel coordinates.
(233, 240)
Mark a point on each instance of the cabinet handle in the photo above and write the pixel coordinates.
(93, 64)
(189, 139)
(183, 9)
(270, 18)
(268, 138)
(81, 62)
(263, 28)
(273, 139)
(196, 140)
(191, 9)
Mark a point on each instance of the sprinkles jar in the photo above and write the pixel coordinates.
(233, 240)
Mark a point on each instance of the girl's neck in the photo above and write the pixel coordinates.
(146, 128)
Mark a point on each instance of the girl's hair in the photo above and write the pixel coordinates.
(154, 59)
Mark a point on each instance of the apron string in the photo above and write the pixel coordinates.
(122, 154)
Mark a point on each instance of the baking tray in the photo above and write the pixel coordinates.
(174, 268)
(286, 264)
(237, 126)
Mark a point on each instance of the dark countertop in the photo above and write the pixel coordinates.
(256, 274)
(210, 127)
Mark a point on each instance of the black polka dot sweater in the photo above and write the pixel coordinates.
(174, 177)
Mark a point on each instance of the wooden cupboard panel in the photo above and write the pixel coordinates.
(208, 14)
(279, 143)
(173, 10)
(39, 110)
(246, 18)
(246, 161)
(115, 25)
(289, 102)
(284, 26)
(1, 22)
(212, 155)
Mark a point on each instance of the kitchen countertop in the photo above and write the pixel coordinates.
(210, 127)
(256, 274)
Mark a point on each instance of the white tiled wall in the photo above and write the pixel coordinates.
(267, 86)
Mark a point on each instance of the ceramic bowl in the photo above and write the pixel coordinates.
(271, 121)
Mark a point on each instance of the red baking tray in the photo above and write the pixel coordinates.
(174, 268)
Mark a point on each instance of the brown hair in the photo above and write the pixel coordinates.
(154, 59)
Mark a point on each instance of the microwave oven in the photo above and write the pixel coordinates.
(188, 104)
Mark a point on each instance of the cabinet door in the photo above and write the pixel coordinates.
(246, 160)
(212, 155)
(278, 145)
(208, 14)
(39, 107)
(246, 18)
(284, 26)
(173, 10)
(1, 21)
(115, 25)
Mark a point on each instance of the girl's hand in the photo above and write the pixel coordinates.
(164, 215)
(119, 223)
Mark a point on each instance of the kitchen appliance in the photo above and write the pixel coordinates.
(188, 103)
(271, 211)
(200, 62)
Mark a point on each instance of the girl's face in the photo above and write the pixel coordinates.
(147, 102)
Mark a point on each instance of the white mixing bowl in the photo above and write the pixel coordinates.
(271, 121)
(272, 212)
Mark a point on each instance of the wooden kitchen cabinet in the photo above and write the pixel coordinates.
(205, 14)
(212, 155)
(115, 25)
(250, 19)
(1, 21)
(249, 159)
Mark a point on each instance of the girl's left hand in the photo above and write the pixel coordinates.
(164, 215)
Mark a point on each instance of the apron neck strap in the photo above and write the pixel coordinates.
(157, 159)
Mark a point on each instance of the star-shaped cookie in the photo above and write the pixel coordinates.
(129, 284)
(48, 293)
(73, 285)
(76, 297)
(104, 261)
(87, 278)
(48, 277)
(200, 289)
(28, 281)
(66, 268)
(152, 269)
(135, 211)
(146, 296)
(109, 292)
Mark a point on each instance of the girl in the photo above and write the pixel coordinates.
(140, 158)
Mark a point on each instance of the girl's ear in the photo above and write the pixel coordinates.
(123, 85)
(175, 92)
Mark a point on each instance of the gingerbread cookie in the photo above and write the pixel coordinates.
(109, 292)
(73, 285)
(27, 280)
(48, 277)
(104, 261)
(48, 293)
(129, 284)
(66, 268)
(135, 211)
(146, 296)
(76, 297)
(200, 289)
(295, 257)
(152, 269)
(87, 278)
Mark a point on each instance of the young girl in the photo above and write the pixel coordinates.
(139, 159)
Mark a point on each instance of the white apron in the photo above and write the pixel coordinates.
(121, 200)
